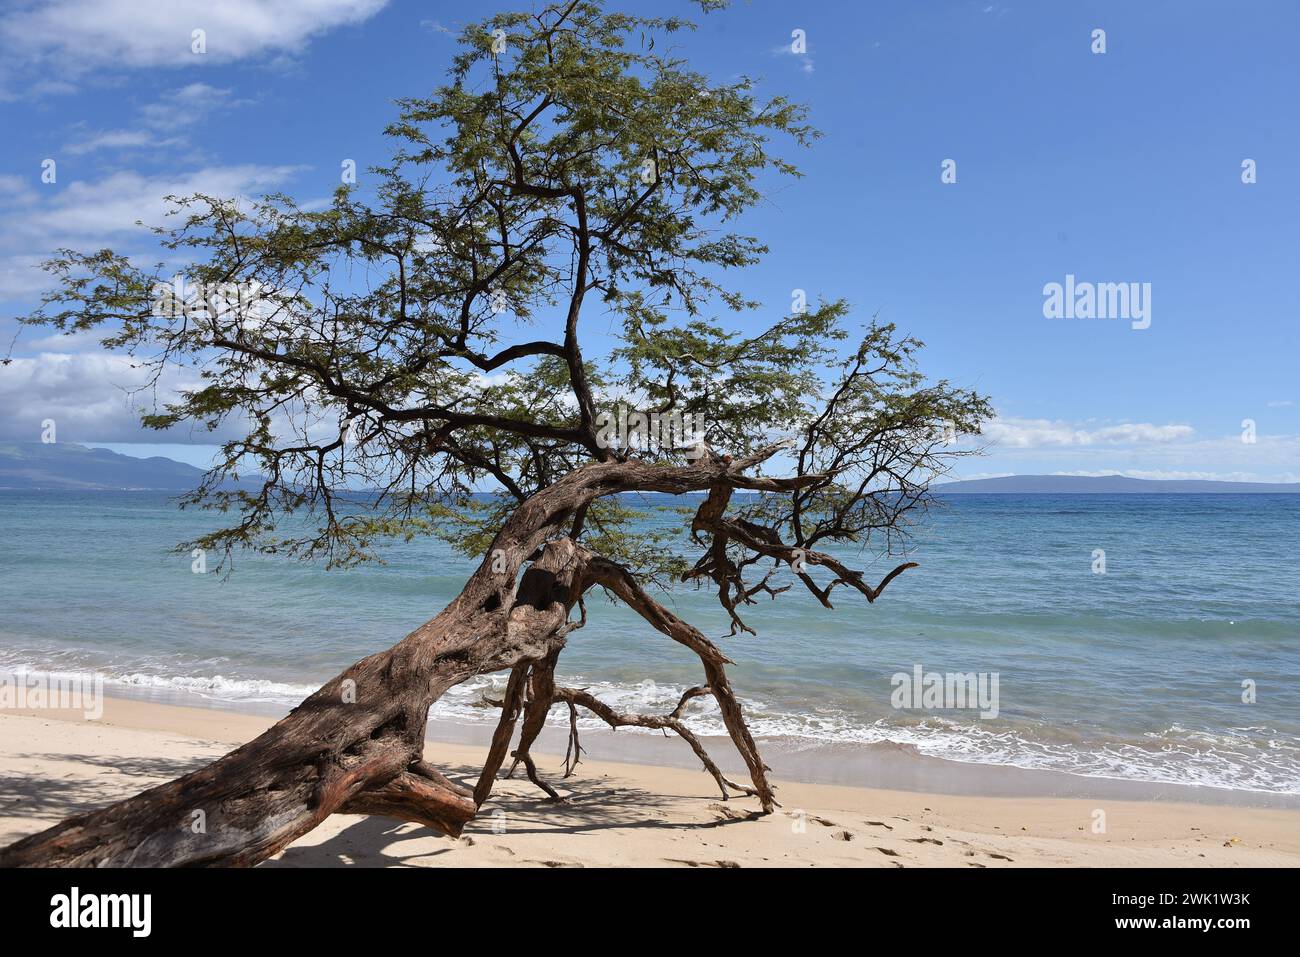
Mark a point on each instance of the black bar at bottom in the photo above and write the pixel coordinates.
(443, 906)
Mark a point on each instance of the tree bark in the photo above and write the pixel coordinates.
(356, 745)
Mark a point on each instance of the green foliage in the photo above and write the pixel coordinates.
(427, 340)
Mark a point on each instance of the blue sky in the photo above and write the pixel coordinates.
(1123, 166)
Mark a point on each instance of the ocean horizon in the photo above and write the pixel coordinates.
(1134, 673)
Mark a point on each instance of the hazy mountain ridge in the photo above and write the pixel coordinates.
(71, 467)
(1107, 485)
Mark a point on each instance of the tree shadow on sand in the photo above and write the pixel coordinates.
(589, 805)
(43, 797)
(516, 807)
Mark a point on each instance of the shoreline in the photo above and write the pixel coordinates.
(54, 763)
(885, 765)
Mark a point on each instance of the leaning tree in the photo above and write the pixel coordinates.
(386, 359)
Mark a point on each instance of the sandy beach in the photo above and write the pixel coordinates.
(55, 763)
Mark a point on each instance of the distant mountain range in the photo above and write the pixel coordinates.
(64, 465)
(71, 467)
(1105, 485)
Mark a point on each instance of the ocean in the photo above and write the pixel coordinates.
(1136, 674)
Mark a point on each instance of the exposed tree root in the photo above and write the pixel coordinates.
(541, 694)
(357, 744)
(671, 722)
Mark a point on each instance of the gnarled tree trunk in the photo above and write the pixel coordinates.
(356, 745)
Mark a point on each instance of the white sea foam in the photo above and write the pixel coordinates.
(219, 687)
(1248, 759)
(215, 687)
(1227, 760)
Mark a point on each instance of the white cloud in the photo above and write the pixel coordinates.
(112, 140)
(975, 476)
(80, 341)
(1139, 450)
(16, 190)
(90, 396)
(97, 396)
(82, 35)
(1037, 433)
(86, 391)
(162, 122)
(86, 214)
(805, 59)
(21, 276)
(187, 105)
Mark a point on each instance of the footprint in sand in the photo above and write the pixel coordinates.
(679, 860)
(814, 818)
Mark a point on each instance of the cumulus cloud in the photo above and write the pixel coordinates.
(82, 35)
(21, 276)
(83, 215)
(113, 205)
(89, 396)
(1038, 433)
(95, 396)
(186, 105)
(161, 123)
(1135, 449)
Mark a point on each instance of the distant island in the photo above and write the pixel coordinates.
(1106, 485)
(66, 466)
(70, 467)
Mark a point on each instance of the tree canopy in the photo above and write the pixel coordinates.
(443, 330)
(549, 248)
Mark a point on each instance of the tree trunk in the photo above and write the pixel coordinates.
(357, 744)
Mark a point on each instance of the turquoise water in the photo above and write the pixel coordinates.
(1134, 674)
